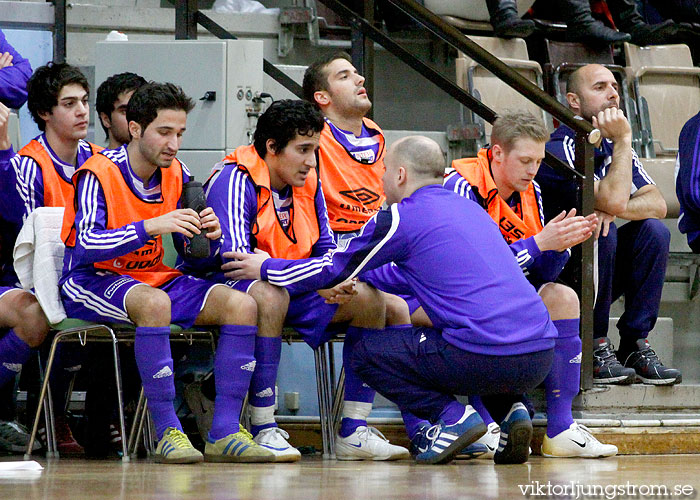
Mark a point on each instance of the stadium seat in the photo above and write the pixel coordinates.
(469, 15)
(667, 91)
(663, 170)
(490, 90)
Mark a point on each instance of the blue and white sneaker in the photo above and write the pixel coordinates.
(484, 447)
(516, 432)
(420, 442)
(275, 440)
(367, 443)
(448, 440)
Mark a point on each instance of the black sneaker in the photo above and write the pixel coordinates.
(606, 368)
(649, 369)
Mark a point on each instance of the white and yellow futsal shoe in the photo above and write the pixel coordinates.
(576, 441)
(175, 448)
(275, 440)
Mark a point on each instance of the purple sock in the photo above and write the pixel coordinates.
(413, 424)
(355, 389)
(562, 384)
(155, 364)
(452, 412)
(234, 364)
(14, 352)
(476, 403)
(268, 351)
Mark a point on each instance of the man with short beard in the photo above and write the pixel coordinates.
(631, 258)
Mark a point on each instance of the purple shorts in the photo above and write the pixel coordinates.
(308, 314)
(101, 297)
(5, 289)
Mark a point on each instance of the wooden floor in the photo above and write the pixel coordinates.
(314, 478)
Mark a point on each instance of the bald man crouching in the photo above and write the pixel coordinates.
(492, 334)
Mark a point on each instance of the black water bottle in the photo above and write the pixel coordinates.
(193, 197)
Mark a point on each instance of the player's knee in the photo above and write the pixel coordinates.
(239, 309)
(271, 300)
(33, 326)
(149, 307)
(397, 312)
(657, 233)
(561, 301)
(369, 307)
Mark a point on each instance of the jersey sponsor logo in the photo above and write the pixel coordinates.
(366, 156)
(362, 195)
(513, 232)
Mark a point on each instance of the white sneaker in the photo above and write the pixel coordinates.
(367, 443)
(490, 440)
(576, 441)
(275, 440)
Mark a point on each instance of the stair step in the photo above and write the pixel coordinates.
(641, 398)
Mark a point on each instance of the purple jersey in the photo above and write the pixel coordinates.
(451, 256)
(231, 193)
(95, 243)
(539, 267)
(364, 148)
(688, 181)
(29, 179)
(13, 79)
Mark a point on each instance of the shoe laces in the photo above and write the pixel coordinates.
(246, 437)
(368, 432)
(433, 433)
(586, 433)
(606, 354)
(649, 354)
(270, 432)
(178, 438)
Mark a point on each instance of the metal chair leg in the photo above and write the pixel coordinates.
(41, 405)
(120, 396)
(323, 398)
(338, 400)
(134, 433)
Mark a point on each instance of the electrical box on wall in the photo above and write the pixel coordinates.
(223, 77)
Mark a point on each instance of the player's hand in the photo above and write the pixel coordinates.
(565, 231)
(244, 266)
(4, 127)
(341, 293)
(604, 220)
(183, 220)
(210, 222)
(613, 124)
(5, 60)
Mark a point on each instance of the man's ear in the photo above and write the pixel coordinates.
(573, 100)
(270, 147)
(497, 153)
(402, 176)
(44, 115)
(322, 98)
(104, 118)
(134, 129)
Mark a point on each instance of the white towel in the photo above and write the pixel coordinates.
(38, 256)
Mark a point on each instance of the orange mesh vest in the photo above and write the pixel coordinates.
(304, 228)
(353, 190)
(57, 192)
(477, 172)
(124, 207)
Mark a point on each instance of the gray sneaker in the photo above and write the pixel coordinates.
(15, 438)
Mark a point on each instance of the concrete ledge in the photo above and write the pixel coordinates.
(639, 398)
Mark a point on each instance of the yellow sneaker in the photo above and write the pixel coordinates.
(238, 447)
(175, 448)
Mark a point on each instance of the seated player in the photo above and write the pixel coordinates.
(23, 325)
(492, 333)
(110, 103)
(269, 198)
(687, 169)
(501, 181)
(125, 201)
(58, 102)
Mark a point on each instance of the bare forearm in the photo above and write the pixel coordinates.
(614, 189)
(648, 205)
